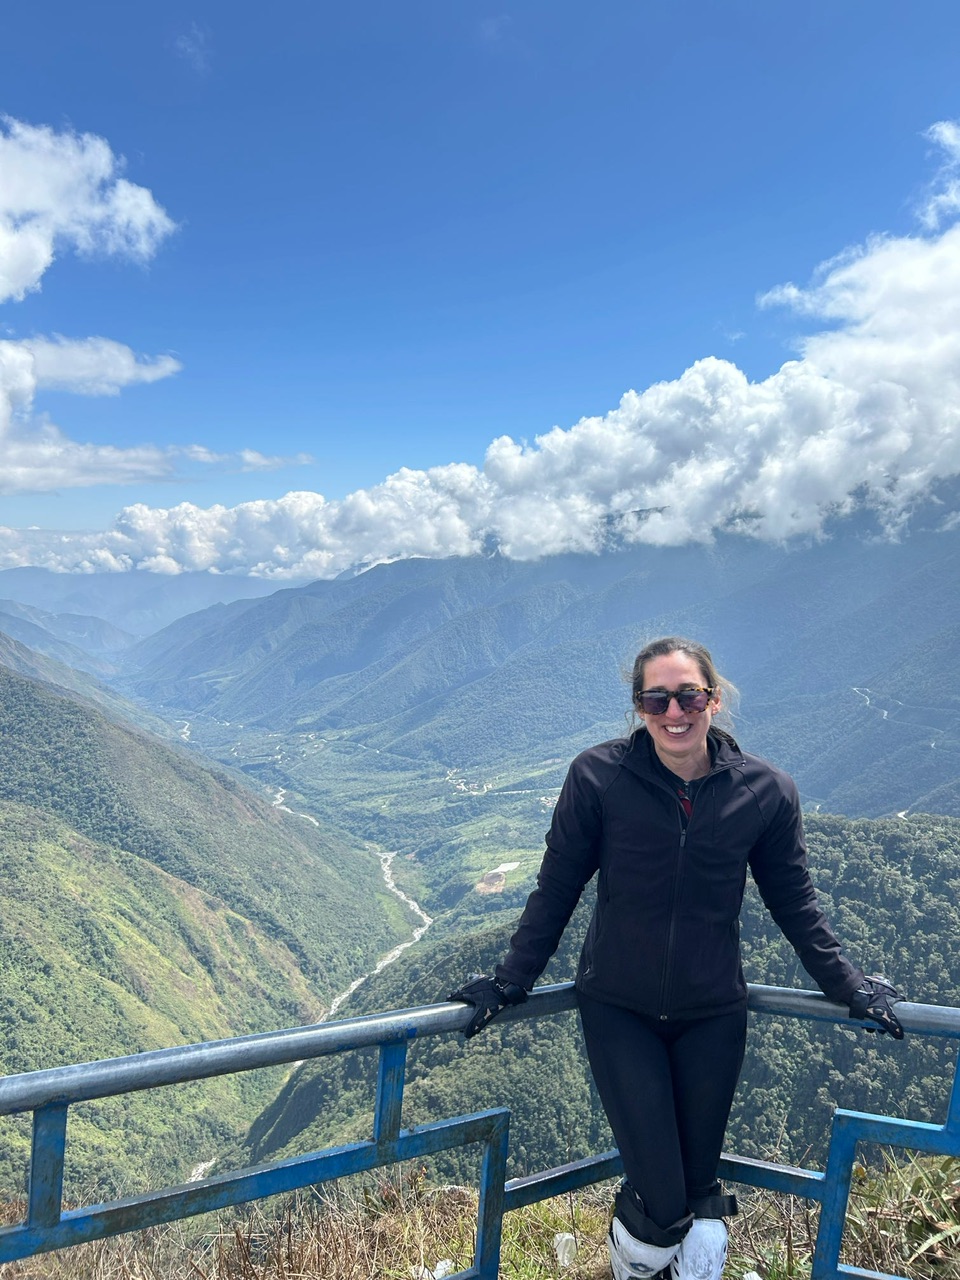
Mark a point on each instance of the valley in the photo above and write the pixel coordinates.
(362, 771)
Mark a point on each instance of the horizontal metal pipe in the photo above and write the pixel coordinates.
(555, 1182)
(785, 1178)
(788, 1179)
(926, 1019)
(111, 1076)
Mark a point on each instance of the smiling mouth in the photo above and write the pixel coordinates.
(676, 730)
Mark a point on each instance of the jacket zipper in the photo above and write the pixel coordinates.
(678, 877)
(672, 929)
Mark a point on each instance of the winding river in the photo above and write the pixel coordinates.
(386, 866)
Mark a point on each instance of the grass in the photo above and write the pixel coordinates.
(904, 1219)
(909, 1214)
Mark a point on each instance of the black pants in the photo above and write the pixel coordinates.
(667, 1089)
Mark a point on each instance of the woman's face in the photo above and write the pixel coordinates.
(679, 737)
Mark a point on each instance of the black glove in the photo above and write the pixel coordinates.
(488, 996)
(875, 1000)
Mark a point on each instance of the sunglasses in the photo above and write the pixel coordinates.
(654, 702)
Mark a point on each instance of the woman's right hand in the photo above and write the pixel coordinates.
(875, 1000)
(487, 996)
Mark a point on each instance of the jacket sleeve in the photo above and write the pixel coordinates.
(779, 866)
(570, 861)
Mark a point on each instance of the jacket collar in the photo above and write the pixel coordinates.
(639, 754)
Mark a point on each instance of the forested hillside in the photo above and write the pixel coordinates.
(123, 788)
(892, 889)
(54, 636)
(147, 901)
(22, 660)
(102, 953)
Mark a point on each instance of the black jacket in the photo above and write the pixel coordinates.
(665, 935)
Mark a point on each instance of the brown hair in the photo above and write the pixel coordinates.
(700, 654)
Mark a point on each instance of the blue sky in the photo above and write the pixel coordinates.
(380, 236)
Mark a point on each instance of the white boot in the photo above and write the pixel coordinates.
(632, 1259)
(703, 1252)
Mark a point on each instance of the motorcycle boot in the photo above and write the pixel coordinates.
(639, 1249)
(703, 1250)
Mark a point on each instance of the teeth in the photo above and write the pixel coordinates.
(676, 728)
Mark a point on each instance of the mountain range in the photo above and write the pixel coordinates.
(136, 602)
(839, 650)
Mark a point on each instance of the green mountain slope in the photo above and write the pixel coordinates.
(21, 659)
(892, 889)
(102, 954)
(148, 901)
(120, 787)
(34, 628)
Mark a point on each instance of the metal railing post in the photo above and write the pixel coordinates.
(833, 1204)
(493, 1176)
(389, 1105)
(47, 1151)
(953, 1110)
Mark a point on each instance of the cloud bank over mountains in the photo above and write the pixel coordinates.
(866, 416)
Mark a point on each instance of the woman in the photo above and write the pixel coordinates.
(672, 817)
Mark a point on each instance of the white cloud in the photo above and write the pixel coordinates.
(254, 460)
(49, 461)
(35, 456)
(868, 415)
(192, 47)
(92, 366)
(943, 198)
(65, 190)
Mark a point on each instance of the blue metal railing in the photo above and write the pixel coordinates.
(49, 1094)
